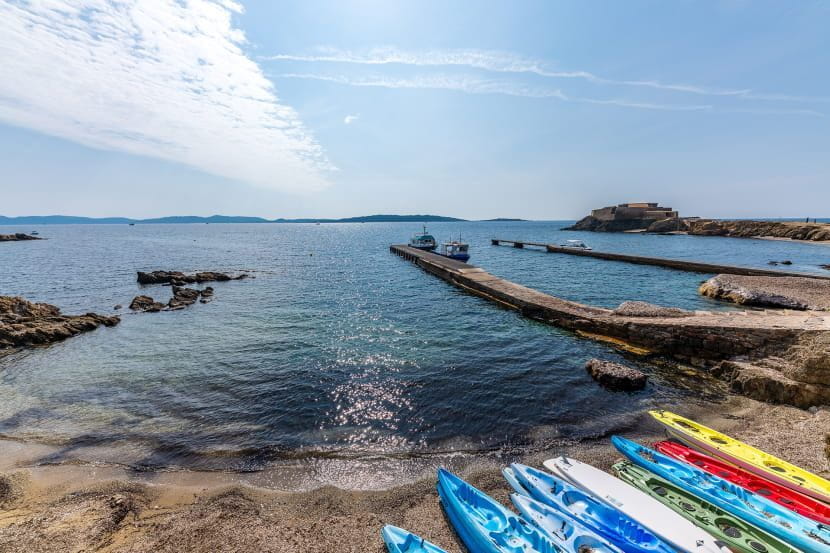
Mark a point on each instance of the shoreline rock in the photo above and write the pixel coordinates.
(812, 232)
(615, 376)
(799, 293)
(25, 324)
(17, 237)
(179, 278)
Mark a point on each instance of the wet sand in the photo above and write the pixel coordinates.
(74, 508)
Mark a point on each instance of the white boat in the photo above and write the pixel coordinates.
(575, 244)
(455, 250)
(646, 510)
(423, 241)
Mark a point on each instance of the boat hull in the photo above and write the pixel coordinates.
(398, 540)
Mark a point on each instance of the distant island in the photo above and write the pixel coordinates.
(183, 219)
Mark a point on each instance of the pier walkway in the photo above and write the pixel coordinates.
(678, 264)
(694, 335)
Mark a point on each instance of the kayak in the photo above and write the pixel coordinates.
(743, 455)
(484, 524)
(737, 534)
(794, 501)
(668, 525)
(610, 524)
(802, 533)
(399, 540)
(572, 536)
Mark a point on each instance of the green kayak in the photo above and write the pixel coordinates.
(739, 536)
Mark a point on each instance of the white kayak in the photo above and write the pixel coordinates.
(649, 512)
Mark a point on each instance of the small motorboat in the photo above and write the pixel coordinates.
(423, 241)
(575, 244)
(455, 250)
(34, 233)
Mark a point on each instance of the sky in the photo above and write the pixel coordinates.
(475, 109)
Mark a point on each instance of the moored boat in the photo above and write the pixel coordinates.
(584, 509)
(398, 540)
(652, 514)
(486, 526)
(802, 533)
(423, 241)
(737, 534)
(455, 250)
(792, 500)
(575, 245)
(743, 455)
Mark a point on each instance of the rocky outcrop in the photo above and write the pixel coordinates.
(182, 297)
(618, 225)
(662, 226)
(24, 323)
(145, 303)
(615, 376)
(763, 291)
(179, 278)
(645, 309)
(16, 237)
(767, 381)
(760, 229)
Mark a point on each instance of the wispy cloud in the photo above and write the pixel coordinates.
(349, 119)
(488, 60)
(161, 78)
(472, 85)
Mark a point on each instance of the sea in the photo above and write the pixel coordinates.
(336, 351)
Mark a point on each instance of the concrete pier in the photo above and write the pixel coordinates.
(678, 264)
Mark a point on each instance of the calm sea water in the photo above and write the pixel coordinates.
(337, 349)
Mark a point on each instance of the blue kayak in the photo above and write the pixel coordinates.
(486, 526)
(399, 540)
(568, 533)
(610, 524)
(802, 533)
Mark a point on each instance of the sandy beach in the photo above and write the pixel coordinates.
(75, 508)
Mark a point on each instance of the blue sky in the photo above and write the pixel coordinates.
(473, 109)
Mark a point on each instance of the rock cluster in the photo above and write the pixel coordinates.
(145, 303)
(753, 229)
(763, 291)
(182, 297)
(675, 224)
(24, 323)
(16, 237)
(615, 376)
(179, 278)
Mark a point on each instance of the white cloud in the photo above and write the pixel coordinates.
(488, 60)
(161, 78)
(471, 85)
(349, 119)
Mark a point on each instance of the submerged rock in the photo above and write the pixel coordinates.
(615, 376)
(179, 278)
(145, 303)
(799, 293)
(24, 323)
(17, 236)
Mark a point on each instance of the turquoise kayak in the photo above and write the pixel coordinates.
(568, 533)
(608, 523)
(790, 527)
(486, 526)
(399, 540)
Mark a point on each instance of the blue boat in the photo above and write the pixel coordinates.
(613, 526)
(560, 528)
(423, 241)
(486, 526)
(455, 250)
(398, 540)
(800, 532)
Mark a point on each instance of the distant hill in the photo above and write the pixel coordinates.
(71, 220)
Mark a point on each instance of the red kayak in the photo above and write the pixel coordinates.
(792, 500)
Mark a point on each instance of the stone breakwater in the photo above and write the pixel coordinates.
(24, 323)
(705, 339)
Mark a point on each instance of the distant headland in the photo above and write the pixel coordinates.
(652, 218)
(184, 219)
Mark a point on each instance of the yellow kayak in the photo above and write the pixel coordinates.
(745, 456)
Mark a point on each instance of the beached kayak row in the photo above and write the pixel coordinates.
(677, 264)
(698, 337)
(657, 503)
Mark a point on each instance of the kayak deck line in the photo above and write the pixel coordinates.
(701, 337)
(677, 264)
